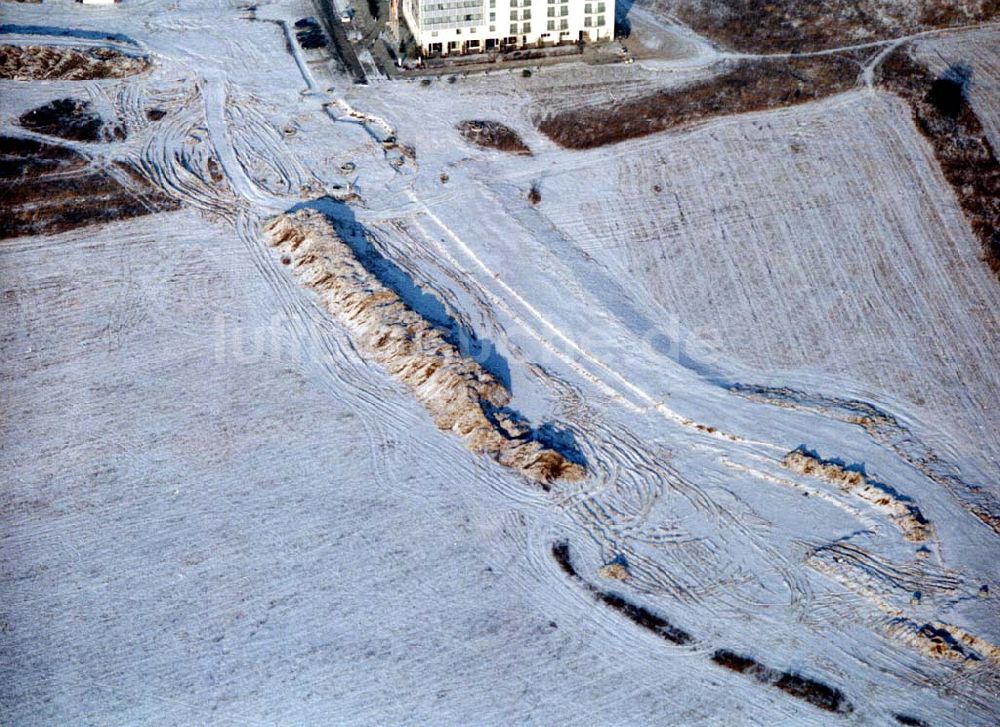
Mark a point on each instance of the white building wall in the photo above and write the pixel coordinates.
(456, 26)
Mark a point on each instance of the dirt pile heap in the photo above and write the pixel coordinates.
(945, 641)
(493, 135)
(461, 396)
(44, 62)
(907, 517)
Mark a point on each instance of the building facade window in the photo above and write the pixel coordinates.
(552, 25)
(600, 20)
(513, 28)
(563, 25)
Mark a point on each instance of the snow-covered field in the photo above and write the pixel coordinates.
(216, 510)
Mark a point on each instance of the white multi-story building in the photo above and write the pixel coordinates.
(474, 26)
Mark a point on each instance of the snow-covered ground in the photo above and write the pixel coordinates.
(217, 511)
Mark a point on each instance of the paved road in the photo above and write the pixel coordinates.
(335, 29)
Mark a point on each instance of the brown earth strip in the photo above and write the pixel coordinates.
(47, 188)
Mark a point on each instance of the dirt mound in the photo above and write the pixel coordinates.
(746, 86)
(492, 135)
(43, 62)
(461, 396)
(906, 516)
(945, 641)
(47, 188)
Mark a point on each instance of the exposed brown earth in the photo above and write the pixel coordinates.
(71, 119)
(43, 62)
(790, 26)
(459, 393)
(945, 641)
(746, 86)
(945, 118)
(47, 188)
(809, 690)
(905, 515)
(493, 135)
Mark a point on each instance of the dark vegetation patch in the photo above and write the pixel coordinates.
(790, 26)
(66, 118)
(644, 617)
(155, 114)
(26, 158)
(492, 135)
(47, 188)
(812, 691)
(746, 86)
(636, 614)
(309, 34)
(560, 551)
(535, 194)
(735, 662)
(44, 62)
(905, 719)
(944, 116)
(809, 690)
